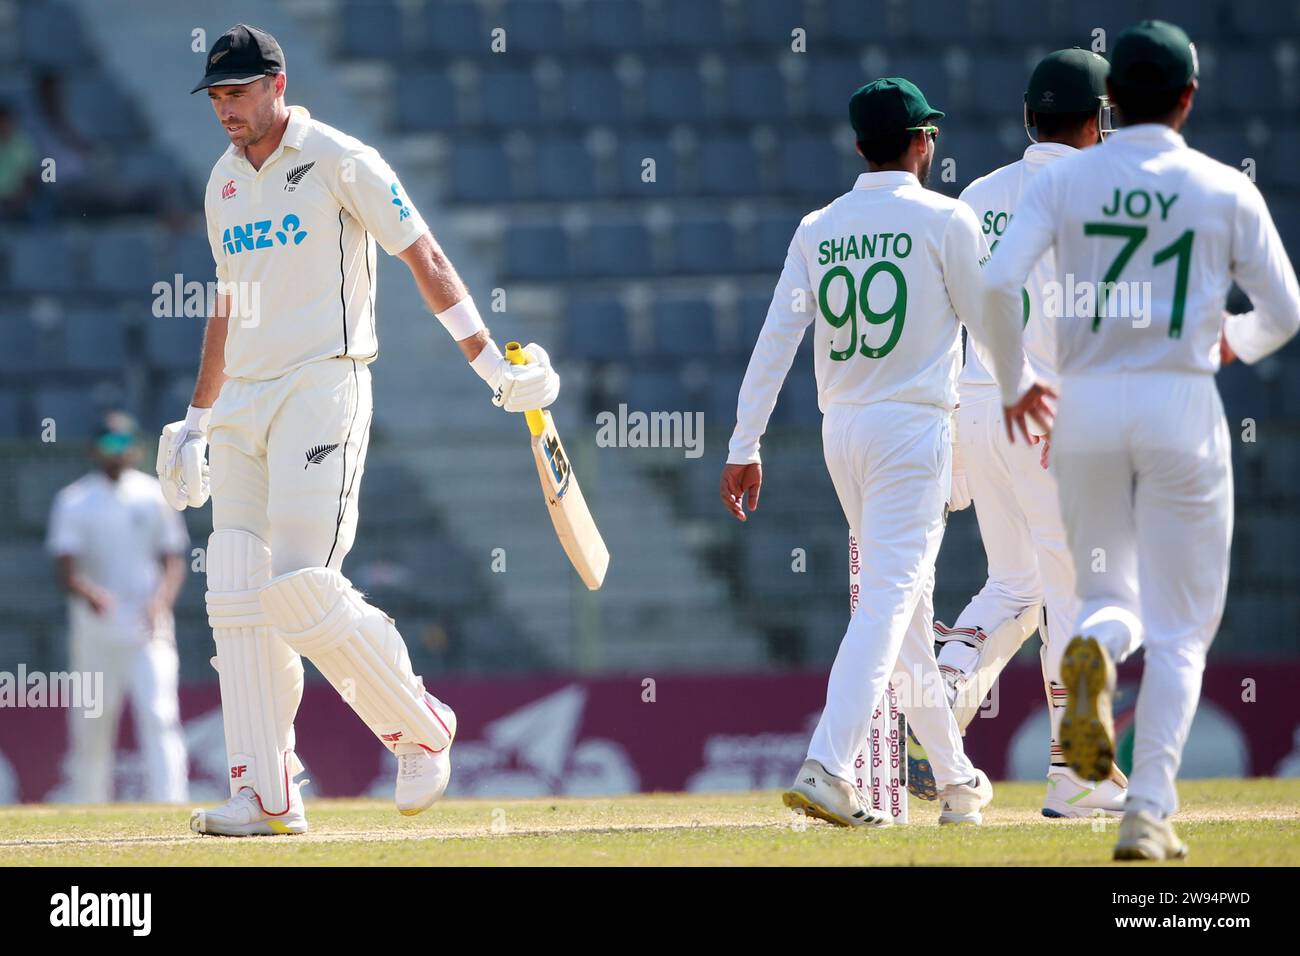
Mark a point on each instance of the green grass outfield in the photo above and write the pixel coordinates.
(1226, 822)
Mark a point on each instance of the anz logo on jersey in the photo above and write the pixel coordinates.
(263, 235)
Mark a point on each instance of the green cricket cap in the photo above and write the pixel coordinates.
(116, 433)
(1152, 56)
(889, 106)
(1068, 81)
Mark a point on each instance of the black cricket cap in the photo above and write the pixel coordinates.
(887, 107)
(240, 55)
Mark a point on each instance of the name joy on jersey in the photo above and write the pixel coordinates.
(179, 299)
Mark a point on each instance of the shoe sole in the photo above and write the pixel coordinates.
(797, 801)
(1141, 851)
(1087, 740)
(198, 824)
(965, 819)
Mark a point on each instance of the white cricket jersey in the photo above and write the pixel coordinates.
(300, 232)
(994, 198)
(117, 531)
(1148, 212)
(887, 272)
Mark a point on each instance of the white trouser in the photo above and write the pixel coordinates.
(1145, 477)
(286, 461)
(890, 464)
(1019, 517)
(287, 457)
(147, 674)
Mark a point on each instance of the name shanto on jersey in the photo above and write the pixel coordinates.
(297, 237)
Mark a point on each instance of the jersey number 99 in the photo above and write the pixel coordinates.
(856, 303)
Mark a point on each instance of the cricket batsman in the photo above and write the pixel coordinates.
(282, 407)
(886, 274)
(1140, 445)
(1031, 575)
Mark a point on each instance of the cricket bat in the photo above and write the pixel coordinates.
(574, 526)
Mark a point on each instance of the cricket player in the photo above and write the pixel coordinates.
(1147, 236)
(283, 403)
(885, 274)
(119, 552)
(1031, 576)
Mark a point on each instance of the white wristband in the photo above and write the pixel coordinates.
(487, 361)
(462, 319)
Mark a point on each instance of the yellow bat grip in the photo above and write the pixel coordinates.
(516, 355)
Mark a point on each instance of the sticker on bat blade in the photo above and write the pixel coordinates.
(559, 464)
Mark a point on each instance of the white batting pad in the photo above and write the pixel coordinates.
(1000, 645)
(360, 652)
(260, 675)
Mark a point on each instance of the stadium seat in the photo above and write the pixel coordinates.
(41, 20)
(596, 328)
(633, 151)
(426, 99)
(674, 92)
(95, 340)
(372, 29)
(32, 251)
(611, 249)
(536, 251)
(592, 94)
(704, 246)
(728, 166)
(479, 171)
(536, 26)
(684, 328)
(651, 388)
(173, 342)
(509, 99)
(126, 259)
(451, 27)
(811, 166)
(756, 91)
(565, 170)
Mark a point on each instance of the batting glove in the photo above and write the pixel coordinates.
(183, 460)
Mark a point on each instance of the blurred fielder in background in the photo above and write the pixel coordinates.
(1141, 447)
(294, 208)
(1031, 576)
(119, 553)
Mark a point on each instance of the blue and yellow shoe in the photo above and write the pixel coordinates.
(1088, 724)
(920, 775)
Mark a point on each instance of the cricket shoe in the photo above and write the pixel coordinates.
(825, 796)
(962, 802)
(242, 815)
(1069, 795)
(422, 777)
(1087, 727)
(423, 774)
(920, 775)
(1144, 836)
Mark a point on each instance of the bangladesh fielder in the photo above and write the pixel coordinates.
(886, 274)
(282, 405)
(1031, 576)
(1140, 443)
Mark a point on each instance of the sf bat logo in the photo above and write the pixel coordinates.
(560, 470)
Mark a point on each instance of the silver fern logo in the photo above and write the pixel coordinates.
(294, 176)
(318, 454)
